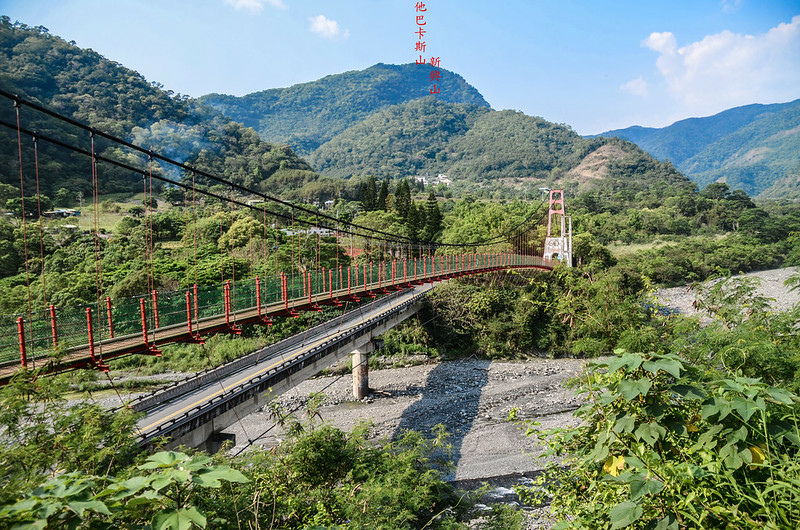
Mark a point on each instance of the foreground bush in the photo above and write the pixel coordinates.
(658, 449)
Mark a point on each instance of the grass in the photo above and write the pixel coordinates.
(620, 250)
(112, 209)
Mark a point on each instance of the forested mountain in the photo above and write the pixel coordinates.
(475, 146)
(307, 115)
(754, 147)
(83, 85)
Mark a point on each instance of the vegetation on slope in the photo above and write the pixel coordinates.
(750, 147)
(487, 152)
(307, 115)
(85, 86)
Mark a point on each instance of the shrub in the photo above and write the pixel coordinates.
(657, 449)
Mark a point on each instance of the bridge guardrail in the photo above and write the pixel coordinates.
(263, 382)
(180, 387)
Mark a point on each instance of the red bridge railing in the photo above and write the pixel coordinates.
(89, 335)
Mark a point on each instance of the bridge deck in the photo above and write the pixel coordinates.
(147, 341)
(182, 408)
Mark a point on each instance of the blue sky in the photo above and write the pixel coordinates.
(594, 65)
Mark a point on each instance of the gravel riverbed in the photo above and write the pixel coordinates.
(472, 398)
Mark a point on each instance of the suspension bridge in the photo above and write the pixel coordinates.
(390, 271)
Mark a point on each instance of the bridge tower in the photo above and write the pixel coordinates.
(558, 247)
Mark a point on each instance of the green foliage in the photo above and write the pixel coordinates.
(433, 219)
(658, 448)
(43, 436)
(697, 259)
(307, 115)
(752, 146)
(407, 339)
(744, 337)
(406, 140)
(326, 477)
(162, 497)
(368, 195)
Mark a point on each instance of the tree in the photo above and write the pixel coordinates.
(402, 199)
(382, 195)
(136, 211)
(716, 190)
(413, 221)
(63, 197)
(7, 191)
(172, 195)
(368, 195)
(433, 218)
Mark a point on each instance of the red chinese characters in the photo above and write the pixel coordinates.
(435, 75)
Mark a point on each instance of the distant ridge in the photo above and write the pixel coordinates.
(754, 147)
(306, 115)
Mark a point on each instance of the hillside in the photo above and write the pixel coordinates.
(477, 147)
(307, 115)
(484, 151)
(87, 87)
(754, 147)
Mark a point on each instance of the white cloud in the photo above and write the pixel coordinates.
(729, 6)
(327, 28)
(729, 69)
(255, 5)
(661, 42)
(636, 87)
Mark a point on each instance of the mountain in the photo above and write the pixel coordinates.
(754, 147)
(307, 115)
(478, 147)
(350, 115)
(87, 87)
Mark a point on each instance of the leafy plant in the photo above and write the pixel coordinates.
(659, 449)
(164, 496)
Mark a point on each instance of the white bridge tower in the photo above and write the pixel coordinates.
(558, 247)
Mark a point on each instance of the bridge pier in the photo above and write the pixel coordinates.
(361, 370)
(360, 362)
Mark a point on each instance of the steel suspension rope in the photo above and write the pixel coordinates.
(24, 224)
(39, 209)
(391, 237)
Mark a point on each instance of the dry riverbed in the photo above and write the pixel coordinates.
(472, 398)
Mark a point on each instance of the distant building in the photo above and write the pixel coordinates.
(314, 230)
(433, 181)
(61, 213)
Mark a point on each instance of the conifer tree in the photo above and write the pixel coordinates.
(402, 199)
(382, 195)
(413, 223)
(368, 194)
(433, 218)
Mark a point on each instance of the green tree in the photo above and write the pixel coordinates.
(402, 199)
(368, 195)
(64, 197)
(413, 221)
(172, 195)
(433, 218)
(382, 195)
